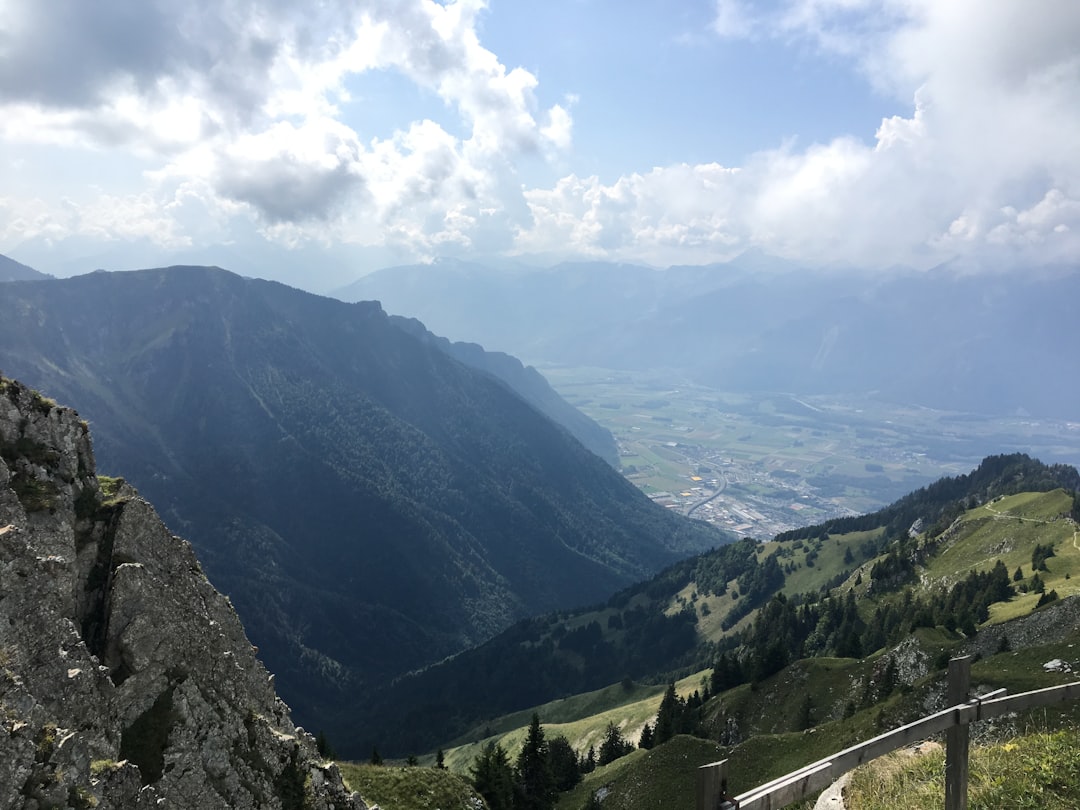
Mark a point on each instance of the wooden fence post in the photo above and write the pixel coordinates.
(957, 737)
(711, 785)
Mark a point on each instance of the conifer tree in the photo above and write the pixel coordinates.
(493, 777)
(646, 741)
(588, 762)
(806, 708)
(564, 764)
(535, 785)
(667, 716)
(614, 745)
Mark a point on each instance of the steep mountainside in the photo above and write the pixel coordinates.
(126, 680)
(528, 383)
(741, 599)
(11, 270)
(370, 504)
(983, 342)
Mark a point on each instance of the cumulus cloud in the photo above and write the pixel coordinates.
(985, 161)
(249, 111)
(245, 100)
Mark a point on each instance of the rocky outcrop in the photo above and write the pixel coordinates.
(126, 680)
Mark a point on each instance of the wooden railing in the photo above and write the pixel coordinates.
(712, 787)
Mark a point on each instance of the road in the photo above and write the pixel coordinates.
(723, 486)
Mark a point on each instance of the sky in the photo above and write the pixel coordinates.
(321, 139)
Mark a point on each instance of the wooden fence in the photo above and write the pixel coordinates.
(712, 786)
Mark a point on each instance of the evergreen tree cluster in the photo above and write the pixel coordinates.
(893, 570)
(785, 631)
(753, 587)
(614, 745)
(677, 715)
(543, 768)
(942, 501)
(1040, 554)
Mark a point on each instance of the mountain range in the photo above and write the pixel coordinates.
(948, 338)
(11, 270)
(369, 503)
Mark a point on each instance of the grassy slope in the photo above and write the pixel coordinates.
(1008, 530)
(410, 788)
(1038, 771)
(663, 777)
(581, 719)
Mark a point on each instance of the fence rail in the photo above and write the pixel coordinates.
(712, 788)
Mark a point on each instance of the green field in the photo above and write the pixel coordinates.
(785, 461)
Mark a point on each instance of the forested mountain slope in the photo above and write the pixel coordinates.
(939, 556)
(370, 504)
(528, 383)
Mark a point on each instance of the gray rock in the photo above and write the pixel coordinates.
(126, 680)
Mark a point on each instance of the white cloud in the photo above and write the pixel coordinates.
(103, 218)
(733, 20)
(241, 111)
(244, 100)
(986, 160)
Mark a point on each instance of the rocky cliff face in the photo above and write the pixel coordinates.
(126, 680)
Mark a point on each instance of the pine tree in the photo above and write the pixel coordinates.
(806, 708)
(564, 764)
(440, 760)
(646, 741)
(588, 762)
(668, 715)
(1037, 585)
(322, 745)
(376, 758)
(535, 785)
(493, 777)
(614, 745)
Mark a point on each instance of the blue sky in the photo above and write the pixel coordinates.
(341, 136)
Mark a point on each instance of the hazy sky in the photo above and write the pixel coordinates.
(865, 131)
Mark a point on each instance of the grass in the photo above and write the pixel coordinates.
(410, 788)
(830, 559)
(1007, 530)
(1039, 771)
(663, 777)
(582, 719)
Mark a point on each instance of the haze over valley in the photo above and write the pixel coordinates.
(763, 395)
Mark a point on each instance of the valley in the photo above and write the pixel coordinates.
(760, 464)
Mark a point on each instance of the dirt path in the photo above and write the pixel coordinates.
(1005, 516)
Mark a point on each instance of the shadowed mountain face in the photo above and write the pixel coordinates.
(11, 270)
(369, 503)
(985, 343)
(528, 383)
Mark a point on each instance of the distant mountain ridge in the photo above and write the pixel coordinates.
(11, 270)
(985, 343)
(369, 503)
(527, 382)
